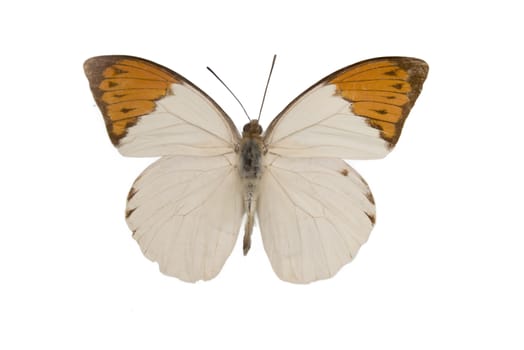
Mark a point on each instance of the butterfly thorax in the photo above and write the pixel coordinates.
(251, 152)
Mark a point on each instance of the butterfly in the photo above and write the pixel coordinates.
(314, 211)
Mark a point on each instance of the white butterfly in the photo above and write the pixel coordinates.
(314, 210)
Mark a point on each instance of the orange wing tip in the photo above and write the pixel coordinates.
(126, 88)
(383, 91)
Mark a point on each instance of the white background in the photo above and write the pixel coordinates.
(443, 268)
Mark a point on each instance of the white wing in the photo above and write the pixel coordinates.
(152, 111)
(314, 214)
(355, 113)
(185, 213)
(314, 210)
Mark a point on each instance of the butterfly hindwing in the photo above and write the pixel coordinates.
(185, 213)
(150, 110)
(355, 113)
(314, 215)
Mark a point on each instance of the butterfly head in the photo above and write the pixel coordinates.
(252, 129)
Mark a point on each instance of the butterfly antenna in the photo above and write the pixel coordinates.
(267, 84)
(231, 92)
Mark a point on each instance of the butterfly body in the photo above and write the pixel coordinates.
(314, 211)
(251, 152)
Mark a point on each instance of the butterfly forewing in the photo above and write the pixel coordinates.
(150, 110)
(355, 113)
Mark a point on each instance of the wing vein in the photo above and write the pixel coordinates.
(152, 72)
(311, 125)
(196, 126)
(282, 187)
(367, 70)
(322, 246)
